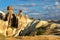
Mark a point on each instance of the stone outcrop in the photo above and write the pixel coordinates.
(27, 26)
(2, 15)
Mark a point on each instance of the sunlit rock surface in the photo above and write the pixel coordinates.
(28, 26)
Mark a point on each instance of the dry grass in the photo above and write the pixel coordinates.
(42, 37)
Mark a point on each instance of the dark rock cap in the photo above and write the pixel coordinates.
(9, 8)
(20, 10)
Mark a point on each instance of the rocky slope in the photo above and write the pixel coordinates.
(28, 29)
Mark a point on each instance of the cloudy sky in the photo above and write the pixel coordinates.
(44, 9)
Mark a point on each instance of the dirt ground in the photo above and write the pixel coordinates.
(41, 37)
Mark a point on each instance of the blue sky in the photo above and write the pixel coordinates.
(28, 4)
(32, 7)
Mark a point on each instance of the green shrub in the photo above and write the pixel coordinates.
(40, 31)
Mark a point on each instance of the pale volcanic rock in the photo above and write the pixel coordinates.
(42, 23)
(3, 27)
(9, 32)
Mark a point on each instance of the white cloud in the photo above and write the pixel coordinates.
(28, 5)
(34, 14)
